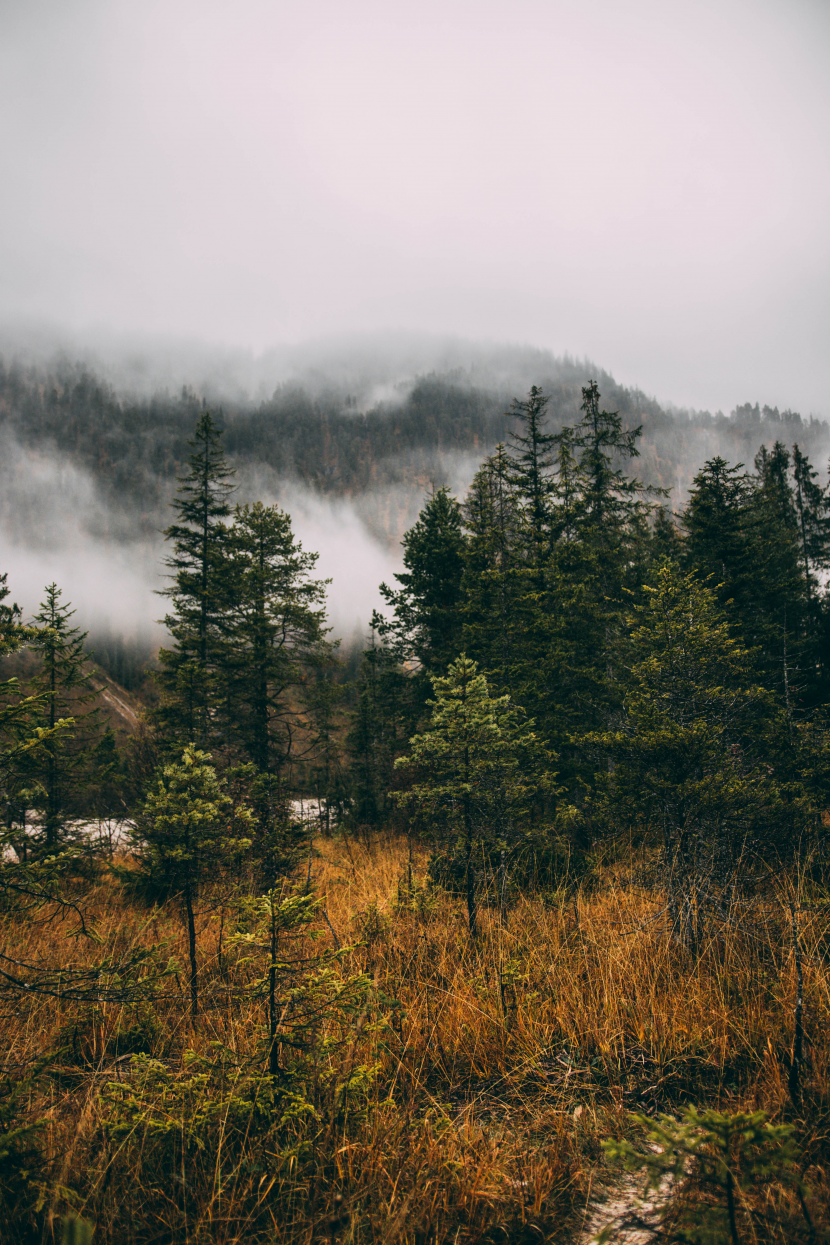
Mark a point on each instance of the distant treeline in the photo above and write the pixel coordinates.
(135, 449)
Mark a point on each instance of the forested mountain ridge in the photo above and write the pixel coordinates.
(435, 431)
(594, 733)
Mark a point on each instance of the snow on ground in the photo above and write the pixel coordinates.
(112, 834)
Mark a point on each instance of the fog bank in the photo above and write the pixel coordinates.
(55, 527)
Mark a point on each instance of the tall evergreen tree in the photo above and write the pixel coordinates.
(61, 769)
(778, 620)
(812, 508)
(611, 499)
(272, 635)
(24, 738)
(568, 678)
(530, 466)
(384, 719)
(492, 583)
(691, 769)
(425, 629)
(189, 680)
(716, 538)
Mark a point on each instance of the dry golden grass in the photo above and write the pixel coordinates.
(496, 1076)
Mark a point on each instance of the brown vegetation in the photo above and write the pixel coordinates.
(468, 1099)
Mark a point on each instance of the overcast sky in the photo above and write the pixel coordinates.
(641, 181)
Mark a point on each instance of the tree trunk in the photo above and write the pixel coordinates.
(191, 941)
(471, 891)
(273, 1058)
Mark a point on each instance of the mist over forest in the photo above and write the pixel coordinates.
(348, 437)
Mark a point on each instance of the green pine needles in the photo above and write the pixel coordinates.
(724, 1160)
(477, 767)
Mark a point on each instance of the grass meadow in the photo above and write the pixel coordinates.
(431, 1089)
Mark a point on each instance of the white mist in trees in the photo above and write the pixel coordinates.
(477, 766)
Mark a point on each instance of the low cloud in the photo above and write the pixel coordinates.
(56, 527)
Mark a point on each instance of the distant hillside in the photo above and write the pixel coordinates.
(119, 708)
(436, 427)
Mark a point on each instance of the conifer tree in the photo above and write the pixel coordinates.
(611, 501)
(566, 675)
(812, 508)
(716, 538)
(23, 736)
(425, 629)
(187, 833)
(477, 766)
(530, 467)
(385, 717)
(690, 755)
(190, 683)
(778, 618)
(743, 531)
(273, 634)
(492, 583)
(64, 765)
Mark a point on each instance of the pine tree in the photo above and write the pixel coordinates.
(273, 634)
(385, 717)
(778, 618)
(477, 766)
(530, 473)
(59, 771)
(425, 629)
(187, 833)
(690, 757)
(716, 538)
(566, 673)
(493, 582)
(611, 501)
(190, 679)
(812, 508)
(324, 700)
(23, 736)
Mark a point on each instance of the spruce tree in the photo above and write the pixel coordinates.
(812, 508)
(272, 636)
(187, 833)
(60, 771)
(385, 717)
(778, 619)
(691, 768)
(530, 467)
(492, 583)
(425, 629)
(716, 536)
(567, 676)
(24, 736)
(477, 766)
(190, 680)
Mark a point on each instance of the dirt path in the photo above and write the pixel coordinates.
(623, 1203)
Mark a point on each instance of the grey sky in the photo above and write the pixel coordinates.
(643, 182)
